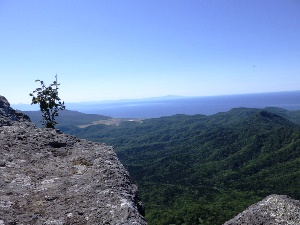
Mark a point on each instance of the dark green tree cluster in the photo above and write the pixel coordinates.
(50, 103)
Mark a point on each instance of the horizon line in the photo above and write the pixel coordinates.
(167, 97)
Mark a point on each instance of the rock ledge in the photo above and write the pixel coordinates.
(52, 178)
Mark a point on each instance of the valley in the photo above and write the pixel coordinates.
(198, 169)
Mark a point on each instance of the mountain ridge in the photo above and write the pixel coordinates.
(192, 168)
(210, 167)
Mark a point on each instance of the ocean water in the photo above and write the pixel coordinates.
(153, 108)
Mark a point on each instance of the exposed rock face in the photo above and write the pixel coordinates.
(8, 115)
(47, 177)
(273, 210)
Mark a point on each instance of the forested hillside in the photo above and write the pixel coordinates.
(206, 169)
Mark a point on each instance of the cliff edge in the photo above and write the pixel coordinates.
(48, 177)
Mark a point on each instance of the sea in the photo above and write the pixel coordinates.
(171, 105)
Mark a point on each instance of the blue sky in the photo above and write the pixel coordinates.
(123, 49)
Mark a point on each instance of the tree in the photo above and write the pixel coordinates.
(50, 103)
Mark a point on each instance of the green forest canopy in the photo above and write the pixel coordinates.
(206, 169)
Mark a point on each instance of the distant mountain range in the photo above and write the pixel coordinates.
(171, 105)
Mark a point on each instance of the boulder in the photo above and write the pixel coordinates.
(273, 210)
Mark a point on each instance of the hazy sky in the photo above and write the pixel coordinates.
(118, 49)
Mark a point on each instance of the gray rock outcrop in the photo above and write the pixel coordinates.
(273, 210)
(8, 115)
(47, 177)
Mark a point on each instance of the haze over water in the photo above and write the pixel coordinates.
(157, 107)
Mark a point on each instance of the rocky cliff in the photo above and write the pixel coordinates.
(273, 210)
(47, 177)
